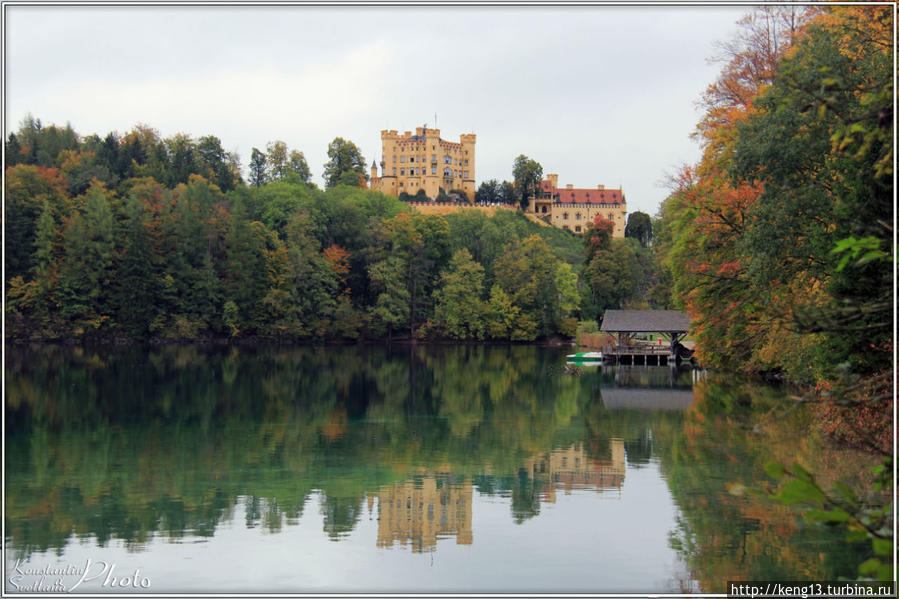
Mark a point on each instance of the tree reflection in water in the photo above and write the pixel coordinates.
(172, 441)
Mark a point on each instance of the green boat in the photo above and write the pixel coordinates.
(585, 356)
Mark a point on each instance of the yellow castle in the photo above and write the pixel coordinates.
(423, 161)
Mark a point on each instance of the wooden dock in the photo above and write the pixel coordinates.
(639, 355)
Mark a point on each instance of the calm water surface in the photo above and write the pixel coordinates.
(429, 469)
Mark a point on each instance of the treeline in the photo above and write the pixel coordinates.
(778, 242)
(129, 255)
(143, 237)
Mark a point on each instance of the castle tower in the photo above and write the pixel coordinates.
(421, 161)
(553, 180)
(468, 141)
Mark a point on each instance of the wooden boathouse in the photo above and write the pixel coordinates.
(627, 326)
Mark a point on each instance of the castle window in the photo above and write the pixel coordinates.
(394, 157)
(433, 170)
(466, 174)
(402, 159)
(403, 172)
(394, 171)
(577, 229)
(544, 209)
(577, 216)
(565, 216)
(466, 160)
(411, 158)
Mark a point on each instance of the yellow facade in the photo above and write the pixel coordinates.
(410, 163)
(419, 512)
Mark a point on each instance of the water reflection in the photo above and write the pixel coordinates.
(419, 511)
(179, 442)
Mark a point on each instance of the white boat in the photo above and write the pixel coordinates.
(585, 356)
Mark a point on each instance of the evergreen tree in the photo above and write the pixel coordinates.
(258, 176)
(135, 290)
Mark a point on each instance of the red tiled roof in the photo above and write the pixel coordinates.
(583, 196)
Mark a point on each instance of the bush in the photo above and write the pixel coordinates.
(587, 326)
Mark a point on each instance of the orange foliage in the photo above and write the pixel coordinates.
(339, 259)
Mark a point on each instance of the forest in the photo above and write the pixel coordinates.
(139, 237)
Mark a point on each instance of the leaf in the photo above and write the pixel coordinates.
(882, 546)
(802, 474)
(856, 536)
(799, 491)
(885, 572)
(869, 567)
(846, 493)
(774, 469)
(832, 516)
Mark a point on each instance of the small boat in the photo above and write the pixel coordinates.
(585, 356)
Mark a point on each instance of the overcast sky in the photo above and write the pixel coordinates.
(599, 95)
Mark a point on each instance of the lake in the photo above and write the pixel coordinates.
(266, 469)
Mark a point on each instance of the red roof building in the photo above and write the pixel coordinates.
(574, 208)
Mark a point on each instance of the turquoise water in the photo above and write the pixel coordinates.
(427, 469)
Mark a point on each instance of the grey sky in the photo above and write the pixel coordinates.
(600, 95)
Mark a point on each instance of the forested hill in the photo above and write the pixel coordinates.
(138, 237)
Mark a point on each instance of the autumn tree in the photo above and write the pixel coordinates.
(28, 188)
(276, 160)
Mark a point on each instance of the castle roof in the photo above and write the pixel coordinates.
(582, 195)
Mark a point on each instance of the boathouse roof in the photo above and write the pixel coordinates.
(645, 321)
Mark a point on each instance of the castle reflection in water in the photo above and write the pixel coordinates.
(437, 504)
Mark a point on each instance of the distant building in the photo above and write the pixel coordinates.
(574, 208)
(410, 163)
